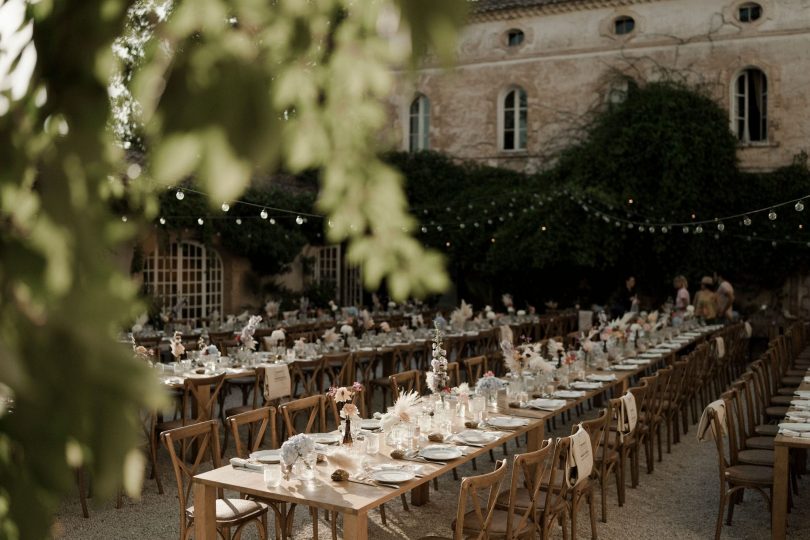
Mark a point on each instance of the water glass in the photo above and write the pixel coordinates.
(272, 477)
(372, 443)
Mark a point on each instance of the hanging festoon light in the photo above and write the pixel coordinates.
(664, 230)
(263, 214)
(698, 229)
(124, 219)
(799, 206)
(686, 230)
(180, 195)
(200, 221)
(238, 221)
(225, 207)
(163, 221)
(721, 227)
(772, 215)
(299, 220)
(272, 221)
(747, 221)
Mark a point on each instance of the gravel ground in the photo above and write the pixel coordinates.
(678, 501)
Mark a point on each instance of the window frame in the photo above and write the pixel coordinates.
(623, 19)
(520, 101)
(420, 139)
(515, 31)
(740, 117)
(748, 6)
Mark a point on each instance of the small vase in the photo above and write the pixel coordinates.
(347, 433)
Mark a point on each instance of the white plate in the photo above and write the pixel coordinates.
(625, 367)
(325, 438)
(582, 385)
(472, 436)
(507, 422)
(568, 394)
(601, 378)
(795, 426)
(652, 354)
(440, 453)
(266, 456)
(547, 404)
(370, 423)
(638, 361)
(392, 476)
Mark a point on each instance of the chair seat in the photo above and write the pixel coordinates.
(792, 380)
(750, 474)
(497, 527)
(522, 500)
(781, 400)
(170, 424)
(786, 391)
(233, 509)
(776, 411)
(756, 457)
(767, 429)
(612, 455)
(760, 443)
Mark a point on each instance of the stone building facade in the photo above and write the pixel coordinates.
(530, 72)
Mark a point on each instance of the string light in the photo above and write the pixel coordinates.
(747, 221)
(799, 206)
(299, 220)
(272, 221)
(180, 195)
(163, 221)
(225, 207)
(686, 230)
(238, 221)
(721, 227)
(772, 215)
(124, 219)
(263, 214)
(698, 230)
(200, 221)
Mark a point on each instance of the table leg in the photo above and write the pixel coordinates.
(355, 526)
(535, 436)
(205, 513)
(420, 495)
(780, 487)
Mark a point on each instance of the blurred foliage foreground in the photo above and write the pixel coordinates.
(224, 89)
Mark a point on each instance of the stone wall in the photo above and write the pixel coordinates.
(570, 61)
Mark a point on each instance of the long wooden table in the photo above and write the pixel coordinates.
(353, 500)
(781, 446)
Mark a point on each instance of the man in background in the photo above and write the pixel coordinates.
(724, 296)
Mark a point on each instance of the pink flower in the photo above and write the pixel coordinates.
(349, 410)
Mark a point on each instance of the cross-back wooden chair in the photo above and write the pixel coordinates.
(584, 489)
(204, 391)
(735, 477)
(258, 422)
(401, 362)
(408, 381)
(453, 374)
(524, 504)
(230, 513)
(258, 401)
(615, 451)
(641, 436)
(482, 492)
(306, 377)
(338, 369)
(314, 410)
(475, 367)
(359, 400)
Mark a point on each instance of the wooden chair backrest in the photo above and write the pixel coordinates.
(339, 369)
(596, 429)
(410, 380)
(479, 489)
(475, 368)
(200, 389)
(528, 471)
(308, 374)
(359, 400)
(314, 407)
(453, 374)
(258, 421)
(206, 435)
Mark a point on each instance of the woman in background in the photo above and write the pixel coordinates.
(682, 299)
(705, 302)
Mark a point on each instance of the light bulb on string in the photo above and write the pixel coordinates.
(747, 221)
(773, 244)
(124, 219)
(698, 229)
(263, 214)
(461, 226)
(772, 215)
(721, 227)
(200, 221)
(299, 220)
(424, 230)
(799, 206)
(238, 221)
(439, 228)
(225, 207)
(686, 230)
(664, 230)
(163, 221)
(180, 195)
(641, 228)
(272, 221)
(630, 225)
(651, 229)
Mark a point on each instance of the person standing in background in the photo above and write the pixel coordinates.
(724, 298)
(682, 299)
(705, 303)
(626, 299)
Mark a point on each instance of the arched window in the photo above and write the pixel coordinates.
(751, 106)
(419, 124)
(515, 37)
(515, 113)
(185, 274)
(623, 25)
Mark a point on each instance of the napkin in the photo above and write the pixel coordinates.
(601, 378)
(629, 414)
(721, 346)
(802, 393)
(579, 464)
(570, 394)
(582, 385)
(238, 463)
(706, 424)
(638, 361)
(791, 433)
(807, 379)
(546, 404)
(276, 382)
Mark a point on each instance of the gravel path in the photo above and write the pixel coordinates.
(678, 501)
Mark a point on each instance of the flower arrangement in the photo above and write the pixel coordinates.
(342, 394)
(330, 337)
(508, 303)
(461, 315)
(344, 397)
(177, 345)
(489, 383)
(512, 358)
(271, 309)
(385, 327)
(141, 352)
(246, 336)
(295, 448)
(347, 330)
(405, 408)
(437, 379)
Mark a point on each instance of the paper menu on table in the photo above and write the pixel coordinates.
(276, 382)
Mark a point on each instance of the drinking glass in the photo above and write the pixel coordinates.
(372, 443)
(272, 476)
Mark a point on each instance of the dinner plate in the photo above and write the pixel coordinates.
(625, 367)
(267, 456)
(601, 378)
(370, 424)
(472, 436)
(509, 422)
(440, 452)
(325, 438)
(638, 361)
(392, 476)
(546, 404)
(582, 385)
(795, 426)
(568, 394)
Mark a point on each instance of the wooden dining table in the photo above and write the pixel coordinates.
(781, 446)
(354, 500)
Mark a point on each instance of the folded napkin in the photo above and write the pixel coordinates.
(628, 415)
(276, 382)
(601, 378)
(625, 367)
(582, 385)
(721, 346)
(546, 404)
(238, 463)
(802, 393)
(638, 361)
(579, 464)
(706, 425)
(807, 378)
(801, 403)
(791, 433)
(568, 394)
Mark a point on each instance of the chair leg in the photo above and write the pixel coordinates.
(603, 485)
(153, 456)
(404, 500)
(382, 515)
(731, 502)
(82, 491)
(719, 525)
(592, 512)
